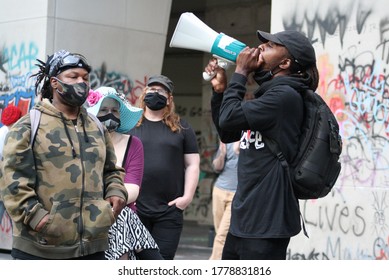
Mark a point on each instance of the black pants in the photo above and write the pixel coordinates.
(166, 230)
(237, 248)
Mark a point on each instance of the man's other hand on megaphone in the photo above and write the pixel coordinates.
(247, 61)
(218, 74)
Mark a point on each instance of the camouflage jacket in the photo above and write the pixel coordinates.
(69, 173)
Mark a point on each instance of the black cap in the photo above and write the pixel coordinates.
(295, 42)
(163, 80)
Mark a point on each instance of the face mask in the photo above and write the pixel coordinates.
(111, 122)
(73, 94)
(262, 76)
(155, 101)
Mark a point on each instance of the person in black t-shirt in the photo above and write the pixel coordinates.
(171, 165)
(265, 212)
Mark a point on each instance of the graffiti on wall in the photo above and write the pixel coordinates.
(345, 229)
(17, 62)
(351, 43)
(121, 82)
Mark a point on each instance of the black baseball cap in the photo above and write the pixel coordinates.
(163, 80)
(295, 42)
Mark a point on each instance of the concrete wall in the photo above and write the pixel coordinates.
(124, 41)
(23, 32)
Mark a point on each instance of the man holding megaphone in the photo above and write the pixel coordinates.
(265, 212)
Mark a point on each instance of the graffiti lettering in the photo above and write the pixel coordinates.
(21, 57)
(337, 218)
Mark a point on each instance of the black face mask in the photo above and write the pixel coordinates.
(111, 122)
(261, 76)
(155, 101)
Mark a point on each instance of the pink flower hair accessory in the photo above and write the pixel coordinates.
(93, 97)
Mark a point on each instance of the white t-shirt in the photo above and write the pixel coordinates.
(3, 132)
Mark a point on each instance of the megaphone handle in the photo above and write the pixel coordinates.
(223, 63)
(208, 77)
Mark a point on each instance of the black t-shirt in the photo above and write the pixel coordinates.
(164, 166)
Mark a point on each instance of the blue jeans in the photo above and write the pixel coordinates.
(166, 230)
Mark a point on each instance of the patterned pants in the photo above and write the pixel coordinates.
(128, 234)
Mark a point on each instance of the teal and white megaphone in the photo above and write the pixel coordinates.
(192, 33)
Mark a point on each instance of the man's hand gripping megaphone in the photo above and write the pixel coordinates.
(221, 62)
(247, 61)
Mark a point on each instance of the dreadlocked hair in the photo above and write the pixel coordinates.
(313, 73)
(41, 75)
(170, 117)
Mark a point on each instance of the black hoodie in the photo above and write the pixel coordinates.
(264, 205)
